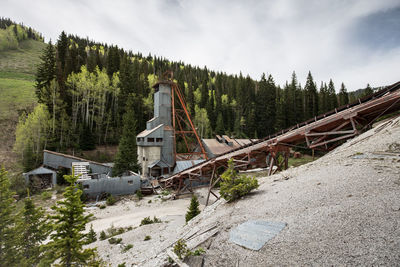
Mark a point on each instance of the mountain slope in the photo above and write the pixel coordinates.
(17, 92)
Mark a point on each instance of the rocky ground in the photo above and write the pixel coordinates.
(342, 209)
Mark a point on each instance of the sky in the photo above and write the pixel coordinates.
(355, 41)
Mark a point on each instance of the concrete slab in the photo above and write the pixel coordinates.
(254, 234)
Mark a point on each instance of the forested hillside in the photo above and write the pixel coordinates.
(83, 88)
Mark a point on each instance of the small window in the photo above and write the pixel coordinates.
(85, 186)
(130, 182)
(158, 140)
(144, 159)
(150, 139)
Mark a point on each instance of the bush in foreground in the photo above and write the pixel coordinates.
(233, 185)
(193, 210)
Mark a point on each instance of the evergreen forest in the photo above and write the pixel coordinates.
(84, 88)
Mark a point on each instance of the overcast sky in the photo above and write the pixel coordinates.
(355, 42)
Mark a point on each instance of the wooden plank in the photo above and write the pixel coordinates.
(332, 140)
(330, 133)
(176, 259)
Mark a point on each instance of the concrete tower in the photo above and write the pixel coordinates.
(156, 143)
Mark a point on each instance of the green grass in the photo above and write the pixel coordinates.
(17, 70)
(303, 160)
(17, 92)
(24, 59)
(15, 95)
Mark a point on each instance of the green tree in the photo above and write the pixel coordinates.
(311, 97)
(46, 72)
(126, 158)
(367, 91)
(265, 106)
(323, 98)
(233, 185)
(68, 223)
(92, 236)
(33, 229)
(332, 98)
(343, 95)
(32, 134)
(193, 209)
(7, 220)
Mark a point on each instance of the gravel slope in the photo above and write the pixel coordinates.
(343, 209)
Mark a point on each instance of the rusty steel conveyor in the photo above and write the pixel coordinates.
(322, 132)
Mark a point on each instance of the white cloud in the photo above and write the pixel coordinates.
(275, 37)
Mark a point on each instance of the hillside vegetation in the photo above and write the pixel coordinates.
(85, 87)
(19, 57)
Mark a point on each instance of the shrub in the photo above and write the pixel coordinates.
(147, 237)
(165, 192)
(139, 194)
(102, 206)
(113, 240)
(233, 185)
(122, 264)
(103, 235)
(149, 201)
(111, 200)
(147, 220)
(193, 210)
(46, 195)
(91, 237)
(198, 252)
(180, 249)
(126, 248)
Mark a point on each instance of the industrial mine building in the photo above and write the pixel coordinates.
(156, 145)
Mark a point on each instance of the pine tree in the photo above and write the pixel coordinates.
(68, 223)
(193, 209)
(219, 128)
(7, 220)
(33, 229)
(92, 237)
(261, 107)
(323, 92)
(343, 95)
(126, 158)
(46, 72)
(311, 98)
(367, 91)
(332, 99)
(280, 118)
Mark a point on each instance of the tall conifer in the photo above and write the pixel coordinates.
(126, 158)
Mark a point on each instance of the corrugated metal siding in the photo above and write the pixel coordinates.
(56, 160)
(185, 164)
(116, 186)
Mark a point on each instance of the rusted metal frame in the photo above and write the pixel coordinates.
(315, 141)
(353, 125)
(383, 112)
(187, 124)
(271, 164)
(184, 136)
(190, 120)
(179, 186)
(330, 133)
(173, 118)
(211, 184)
(189, 153)
(333, 140)
(184, 132)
